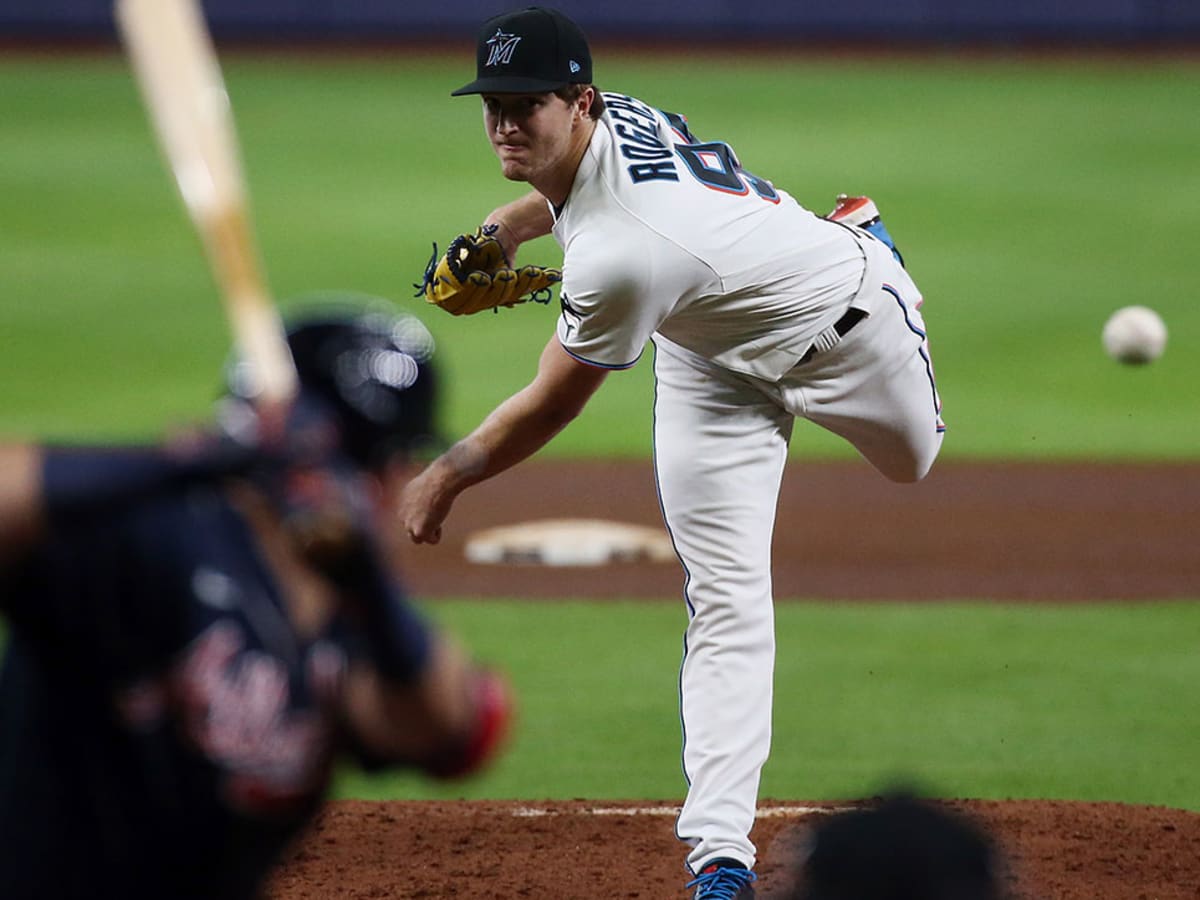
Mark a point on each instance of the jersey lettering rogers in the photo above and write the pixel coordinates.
(666, 236)
(636, 126)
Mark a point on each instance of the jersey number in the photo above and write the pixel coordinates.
(715, 165)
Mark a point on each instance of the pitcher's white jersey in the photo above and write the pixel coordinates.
(663, 233)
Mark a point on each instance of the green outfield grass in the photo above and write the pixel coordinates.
(968, 700)
(964, 700)
(1031, 198)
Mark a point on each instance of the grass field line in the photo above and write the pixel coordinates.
(766, 812)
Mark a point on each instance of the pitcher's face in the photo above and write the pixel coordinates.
(533, 135)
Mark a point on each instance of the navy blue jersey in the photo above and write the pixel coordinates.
(164, 731)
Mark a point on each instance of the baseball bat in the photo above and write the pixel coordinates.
(176, 67)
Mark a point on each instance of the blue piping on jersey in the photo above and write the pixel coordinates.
(937, 403)
(599, 365)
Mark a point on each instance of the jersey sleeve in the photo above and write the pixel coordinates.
(610, 305)
(378, 625)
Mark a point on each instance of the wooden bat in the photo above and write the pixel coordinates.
(176, 66)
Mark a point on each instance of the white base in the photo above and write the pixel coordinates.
(569, 542)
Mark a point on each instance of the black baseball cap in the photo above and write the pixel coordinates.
(534, 50)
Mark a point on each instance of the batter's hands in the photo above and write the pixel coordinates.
(474, 274)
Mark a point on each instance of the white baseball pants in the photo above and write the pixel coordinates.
(720, 447)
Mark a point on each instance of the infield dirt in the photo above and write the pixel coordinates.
(1003, 532)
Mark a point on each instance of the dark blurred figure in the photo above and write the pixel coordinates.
(900, 849)
(199, 629)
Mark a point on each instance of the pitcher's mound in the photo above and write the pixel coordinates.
(578, 850)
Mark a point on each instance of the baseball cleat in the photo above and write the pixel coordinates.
(861, 212)
(724, 879)
(857, 211)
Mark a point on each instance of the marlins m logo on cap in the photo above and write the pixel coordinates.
(555, 53)
(502, 46)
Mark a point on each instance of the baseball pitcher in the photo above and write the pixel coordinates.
(759, 311)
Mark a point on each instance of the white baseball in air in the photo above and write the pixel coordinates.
(1135, 334)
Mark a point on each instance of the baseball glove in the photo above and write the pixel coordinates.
(474, 275)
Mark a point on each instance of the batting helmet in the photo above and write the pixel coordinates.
(901, 849)
(368, 363)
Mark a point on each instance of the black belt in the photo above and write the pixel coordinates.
(849, 319)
